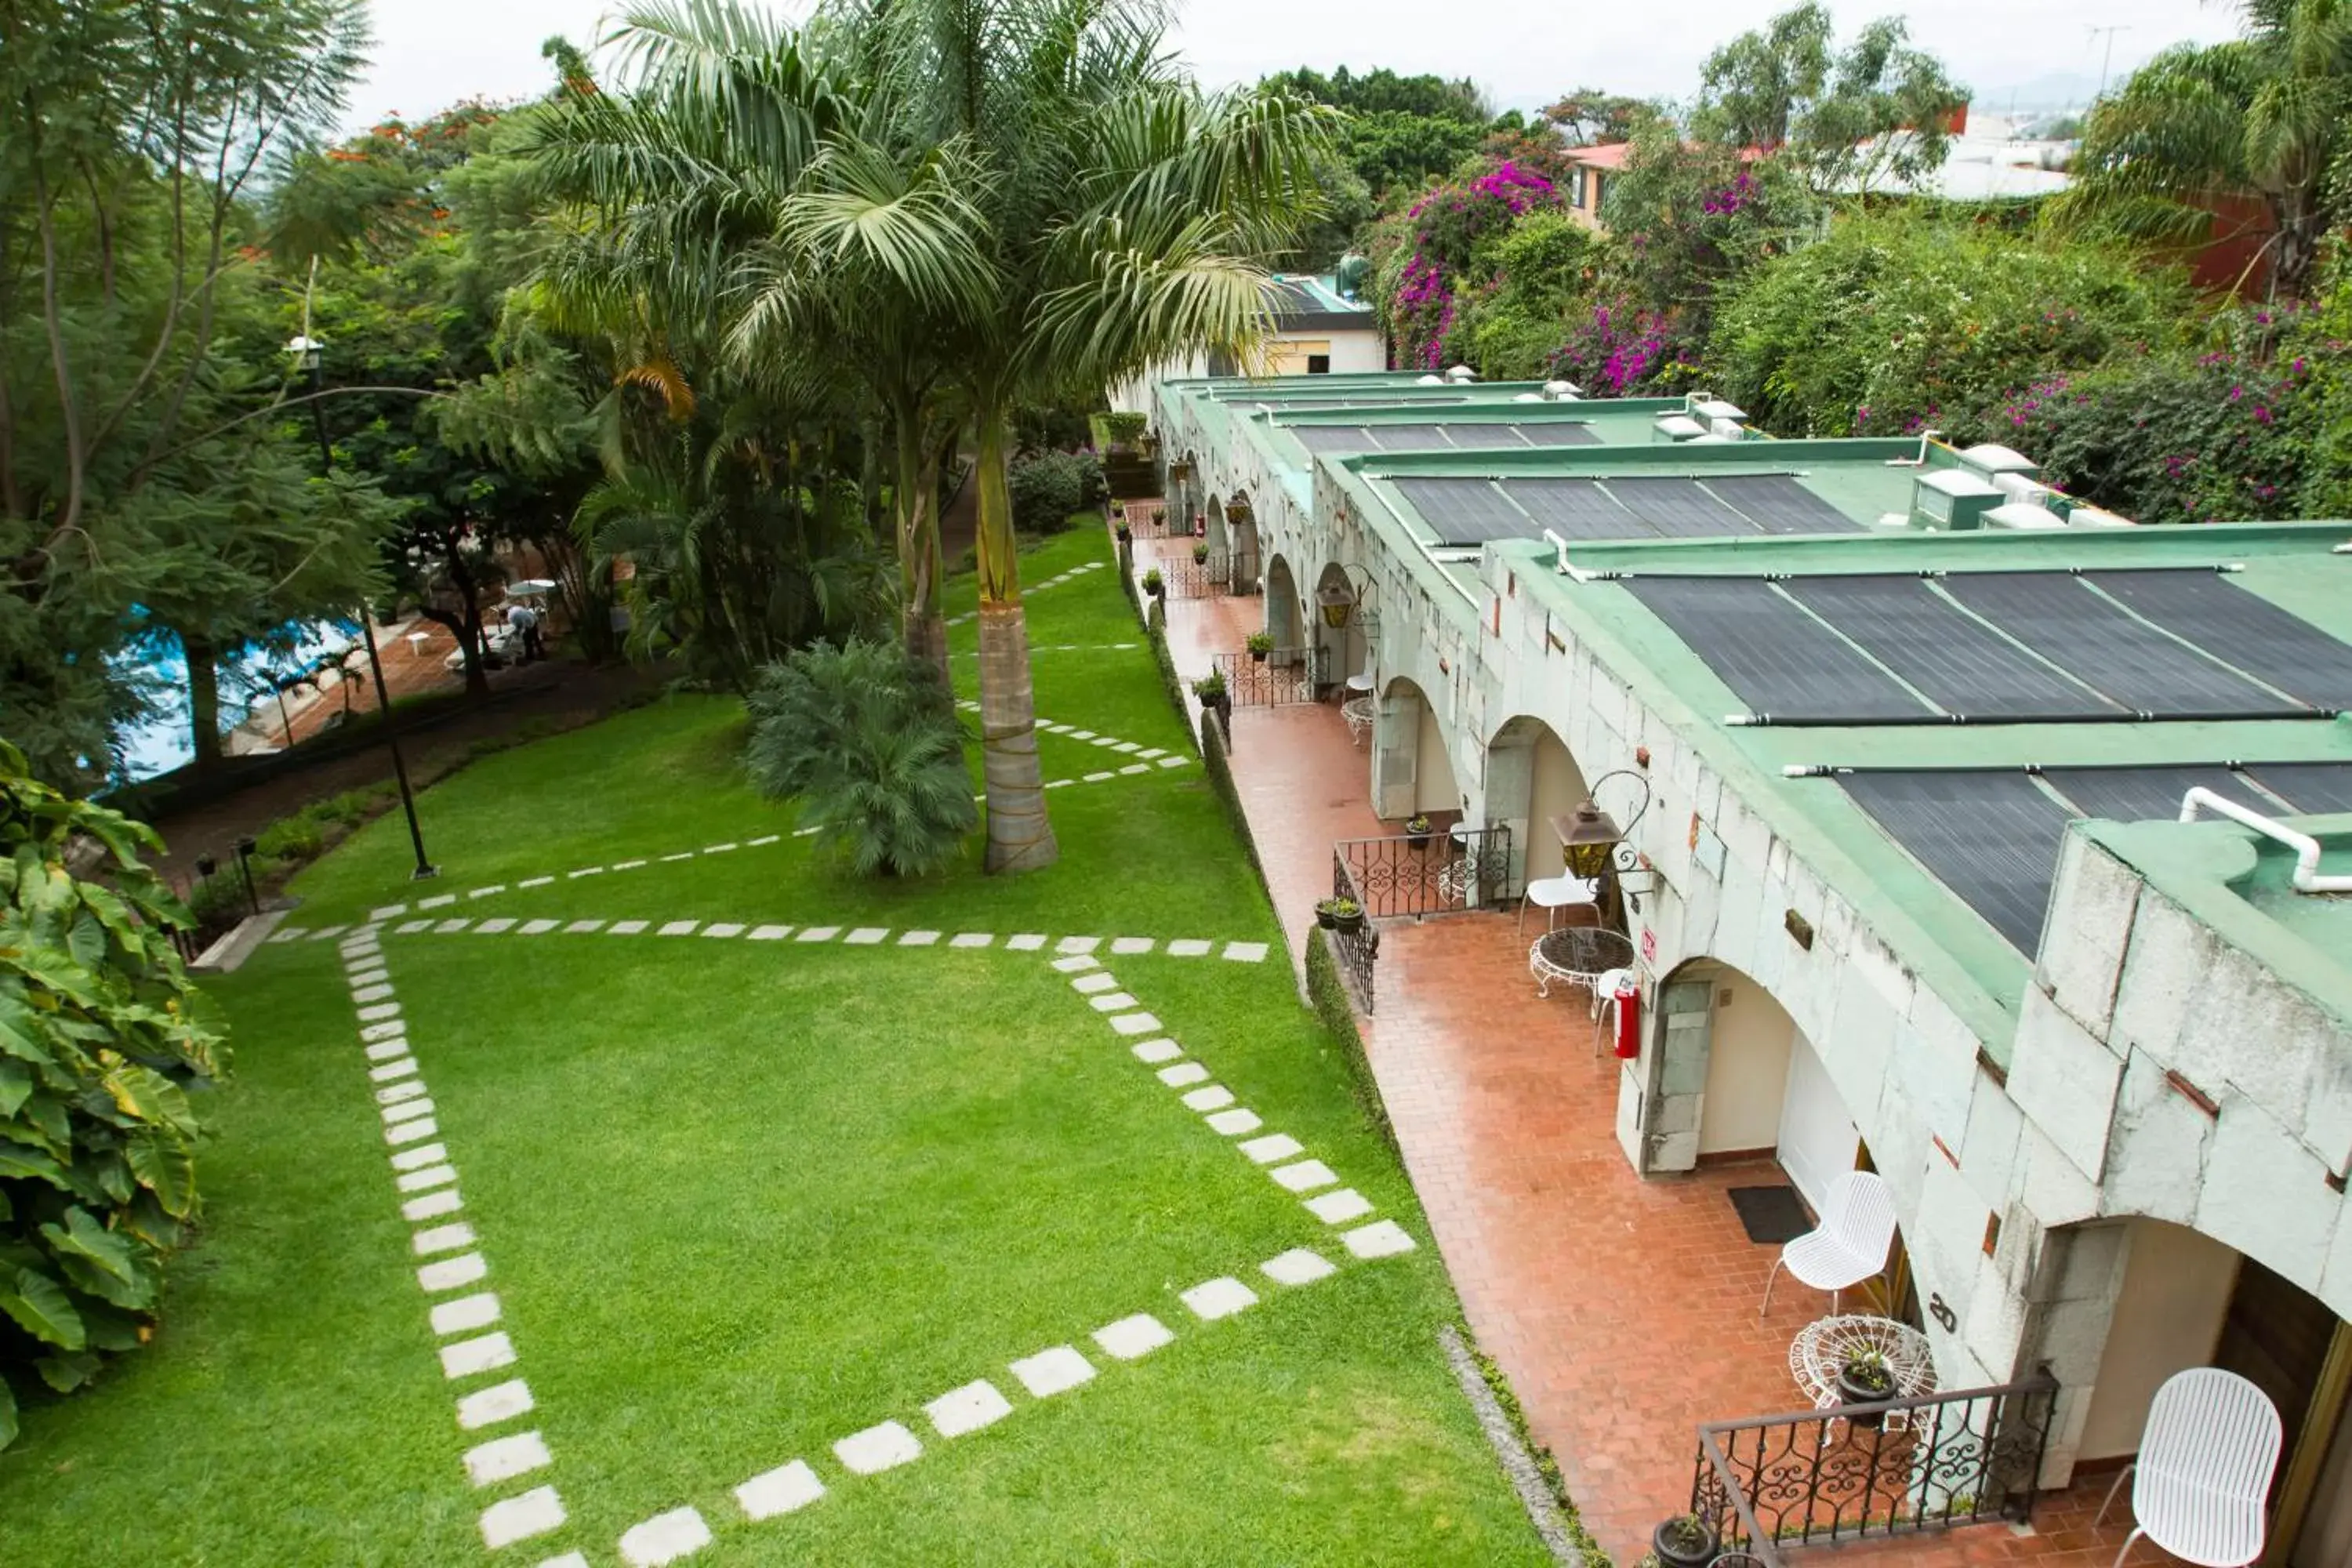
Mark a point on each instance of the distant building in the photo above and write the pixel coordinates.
(1318, 330)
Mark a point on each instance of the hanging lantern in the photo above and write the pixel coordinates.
(1592, 834)
(1338, 604)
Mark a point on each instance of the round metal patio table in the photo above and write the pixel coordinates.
(1821, 1347)
(1580, 955)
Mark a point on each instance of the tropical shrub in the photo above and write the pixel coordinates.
(867, 737)
(1050, 487)
(1890, 324)
(1543, 264)
(101, 1038)
(1436, 256)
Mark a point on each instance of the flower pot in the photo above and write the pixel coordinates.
(1325, 919)
(1257, 656)
(1671, 1556)
(1155, 589)
(1348, 925)
(1851, 1391)
(1419, 840)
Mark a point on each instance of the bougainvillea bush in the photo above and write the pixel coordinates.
(1431, 259)
(101, 1040)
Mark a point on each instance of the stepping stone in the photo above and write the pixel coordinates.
(1270, 1147)
(488, 1406)
(1080, 734)
(1052, 1371)
(770, 934)
(415, 1159)
(443, 1239)
(1128, 747)
(681, 854)
(866, 936)
(289, 933)
(818, 933)
(1381, 1239)
(1298, 1266)
(723, 929)
(972, 938)
(432, 1205)
(486, 892)
(1136, 768)
(1245, 951)
(452, 1272)
(1130, 1339)
(1027, 941)
(1110, 1002)
(380, 1012)
(719, 848)
(535, 882)
(1162, 1050)
(665, 1537)
(583, 871)
(399, 1092)
(1106, 740)
(371, 993)
(1135, 1023)
(408, 1110)
(383, 1031)
(492, 928)
(1302, 1177)
(1339, 1206)
(415, 1132)
(375, 976)
(968, 1409)
(1098, 778)
(466, 1313)
(626, 928)
(385, 1050)
(877, 1448)
(410, 928)
(1059, 783)
(1074, 945)
(1232, 1123)
(1218, 1299)
(467, 1357)
(438, 901)
(626, 865)
(537, 928)
(325, 931)
(678, 928)
(404, 1068)
(1122, 946)
(583, 928)
(534, 1512)
(504, 1458)
(920, 938)
(1189, 948)
(1216, 1096)
(762, 843)
(779, 1490)
(1057, 728)
(1184, 1073)
(451, 928)
(1152, 755)
(426, 1177)
(1173, 761)
(1079, 963)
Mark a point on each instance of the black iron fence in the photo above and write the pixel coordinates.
(1898, 1467)
(1438, 872)
(1285, 677)
(1156, 522)
(1356, 944)
(1197, 576)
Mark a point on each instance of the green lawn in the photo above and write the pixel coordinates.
(740, 1200)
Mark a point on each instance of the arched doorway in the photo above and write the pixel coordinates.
(1530, 779)
(1411, 770)
(1241, 543)
(1285, 615)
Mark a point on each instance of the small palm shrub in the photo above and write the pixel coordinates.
(868, 740)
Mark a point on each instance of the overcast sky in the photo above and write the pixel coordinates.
(430, 53)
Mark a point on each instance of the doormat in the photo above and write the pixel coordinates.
(1770, 1214)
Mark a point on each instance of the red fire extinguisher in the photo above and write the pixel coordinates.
(1628, 998)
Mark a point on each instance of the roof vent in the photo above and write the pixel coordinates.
(1530, 398)
(1730, 429)
(2019, 487)
(1431, 380)
(1717, 408)
(2083, 516)
(1992, 458)
(1676, 427)
(1562, 389)
(1951, 498)
(2023, 517)
(1461, 373)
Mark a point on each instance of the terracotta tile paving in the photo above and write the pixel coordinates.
(1623, 1310)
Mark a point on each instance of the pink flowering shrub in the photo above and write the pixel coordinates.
(1439, 251)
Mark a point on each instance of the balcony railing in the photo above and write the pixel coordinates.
(1898, 1467)
(1286, 677)
(1440, 872)
(1190, 579)
(1356, 950)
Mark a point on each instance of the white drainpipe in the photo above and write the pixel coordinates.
(2307, 879)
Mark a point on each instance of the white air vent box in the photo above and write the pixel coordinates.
(2095, 517)
(1528, 397)
(1997, 459)
(1562, 389)
(1461, 373)
(1711, 440)
(1951, 498)
(1730, 429)
(2022, 488)
(1894, 521)
(2023, 517)
(1676, 427)
(1717, 408)
(1431, 380)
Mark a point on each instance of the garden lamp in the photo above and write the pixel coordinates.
(1592, 832)
(1338, 603)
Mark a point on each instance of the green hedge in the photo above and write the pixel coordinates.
(1329, 995)
(1220, 779)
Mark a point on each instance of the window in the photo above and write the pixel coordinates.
(1318, 365)
(1599, 192)
(1576, 188)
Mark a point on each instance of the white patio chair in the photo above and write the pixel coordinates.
(1604, 994)
(2202, 1483)
(1553, 894)
(1849, 1244)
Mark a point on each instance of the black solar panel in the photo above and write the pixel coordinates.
(1577, 509)
(2105, 647)
(1991, 838)
(1779, 660)
(1465, 512)
(1292, 298)
(2242, 628)
(1331, 438)
(2314, 789)
(1780, 504)
(1679, 509)
(1961, 664)
(2146, 794)
(1558, 433)
(1483, 435)
(1407, 437)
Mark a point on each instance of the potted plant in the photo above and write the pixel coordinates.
(1260, 645)
(1685, 1541)
(1153, 584)
(1211, 689)
(1200, 552)
(1347, 915)
(1417, 830)
(1865, 1378)
(1327, 912)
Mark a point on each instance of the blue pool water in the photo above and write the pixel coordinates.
(163, 743)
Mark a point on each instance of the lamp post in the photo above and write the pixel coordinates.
(306, 351)
(1594, 845)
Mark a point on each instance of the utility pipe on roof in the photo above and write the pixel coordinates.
(2307, 879)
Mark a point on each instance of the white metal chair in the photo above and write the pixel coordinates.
(1849, 1244)
(2202, 1483)
(1604, 994)
(1552, 894)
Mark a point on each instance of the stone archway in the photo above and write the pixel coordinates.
(1240, 548)
(1285, 613)
(1530, 778)
(1411, 770)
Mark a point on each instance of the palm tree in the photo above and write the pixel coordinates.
(2265, 117)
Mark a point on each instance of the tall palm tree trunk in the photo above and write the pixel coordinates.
(923, 620)
(1019, 836)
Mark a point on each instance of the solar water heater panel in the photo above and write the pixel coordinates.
(1484, 436)
(2146, 794)
(1408, 438)
(1779, 660)
(1332, 437)
(1464, 510)
(1964, 666)
(2239, 627)
(1991, 838)
(1558, 433)
(1779, 503)
(2314, 789)
(1680, 509)
(1577, 509)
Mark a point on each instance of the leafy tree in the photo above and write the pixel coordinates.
(2264, 118)
(1398, 132)
(1590, 118)
(866, 738)
(101, 1037)
(1543, 267)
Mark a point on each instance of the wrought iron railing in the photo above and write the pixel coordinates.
(1357, 949)
(1898, 1467)
(1439, 872)
(1202, 578)
(1285, 677)
(1156, 522)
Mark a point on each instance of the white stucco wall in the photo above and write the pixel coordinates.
(2176, 1286)
(1746, 1068)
